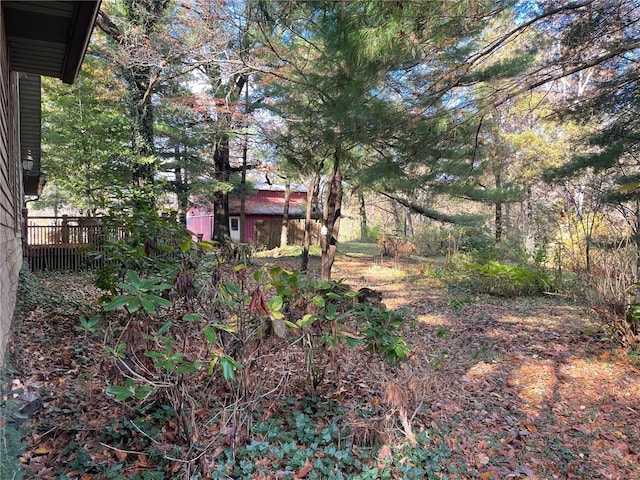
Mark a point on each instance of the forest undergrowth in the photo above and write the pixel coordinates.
(493, 388)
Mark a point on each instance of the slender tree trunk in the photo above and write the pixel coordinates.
(530, 240)
(243, 194)
(223, 167)
(284, 232)
(398, 219)
(498, 207)
(363, 216)
(636, 237)
(181, 185)
(243, 175)
(312, 199)
(498, 222)
(142, 128)
(221, 198)
(331, 216)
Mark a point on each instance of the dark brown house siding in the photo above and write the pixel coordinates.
(42, 38)
(10, 191)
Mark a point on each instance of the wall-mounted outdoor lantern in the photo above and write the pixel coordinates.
(27, 162)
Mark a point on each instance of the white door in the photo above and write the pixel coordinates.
(234, 228)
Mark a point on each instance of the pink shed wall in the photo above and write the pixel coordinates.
(200, 221)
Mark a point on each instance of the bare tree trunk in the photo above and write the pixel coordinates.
(243, 194)
(636, 237)
(181, 186)
(221, 198)
(243, 175)
(363, 216)
(284, 232)
(312, 199)
(498, 207)
(331, 216)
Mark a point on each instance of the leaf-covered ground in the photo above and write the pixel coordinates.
(495, 388)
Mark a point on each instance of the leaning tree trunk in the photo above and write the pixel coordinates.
(331, 217)
(284, 232)
(312, 199)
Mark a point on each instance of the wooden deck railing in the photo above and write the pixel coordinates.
(62, 243)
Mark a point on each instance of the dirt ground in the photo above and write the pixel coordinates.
(511, 387)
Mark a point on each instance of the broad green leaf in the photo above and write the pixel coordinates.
(229, 366)
(276, 315)
(306, 320)
(276, 303)
(144, 391)
(226, 328)
(232, 288)
(153, 354)
(133, 277)
(165, 328)
(188, 368)
(206, 246)
(159, 300)
(318, 301)
(121, 393)
(116, 303)
(148, 306)
(127, 287)
(186, 245)
(169, 365)
(133, 305)
(192, 317)
(352, 342)
(210, 334)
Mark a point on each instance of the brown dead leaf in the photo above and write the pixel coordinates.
(490, 475)
(385, 455)
(304, 470)
(121, 455)
(607, 408)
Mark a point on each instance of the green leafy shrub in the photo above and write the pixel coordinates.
(199, 320)
(139, 240)
(380, 328)
(373, 233)
(500, 279)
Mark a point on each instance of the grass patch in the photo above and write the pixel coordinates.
(289, 251)
(380, 272)
(359, 248)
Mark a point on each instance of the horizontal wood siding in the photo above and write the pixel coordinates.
(10, 201)
(267, 231)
